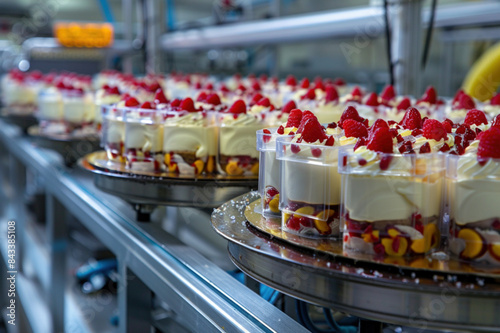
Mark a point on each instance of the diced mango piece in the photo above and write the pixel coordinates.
(306, 210)
(198, 165)
(233, 169)
(495, 250)
(474, 245)
(322, 227)
(393, 232)
(255, 169)
(388, 246)
(419, 246)
(286, 216)
(431, 236)
(210, 164)
(167, 159)
(274, 204)
(325, 214)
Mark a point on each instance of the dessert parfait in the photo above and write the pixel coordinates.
(310, 183)
(19, 92)
(190, 137)
(474, 185)
(269, 168)
(392, 188)
(237, 136)
(492, 107)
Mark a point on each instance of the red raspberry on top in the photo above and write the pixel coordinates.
(489, 144)
(350, 113)
(459, 93)
(313, 131)
(289, 107)
(306, 115)
(291, 80)
(255, 99)
(213, 99)
(430, 96)
(381, 141)
(447, 126)
(464, 102)
(353, 128)
(331, 93)
(131, 102)
(187, 104)
(264, 102)
(356, 93)
(404, 104)
(377, 124)
(372, 100)
(294, 118)
(496, 121)
(160, 97)
(238, 107)
(310, 94)
(412, 119)
(495, 100)
(304, 84)
(475, 117)
(433, 129)
(388, 93)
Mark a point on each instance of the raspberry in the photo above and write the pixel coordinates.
(224, 88)
(406, 148)
(291, 80)
(388, 93)
(429, 96)
(318, 84)
(238, 107)
(187, 104)
(131, 102)
(444, 148)
(331, 94)
(381, 141)
(475, 117)
(289, 107)
(281, 130)
(264, 102)
(377, 124)
(310, 94)
(304, 84)
(266, 138)
(372, 100)
(465, 102)
(489, 145)
(256, 86)
(425, 148)
(350, 113)
(160, 97)
(294, 118)
(256, 98)
(385, 161)
(495, 100)
(316, 152)
(306, 115)
(313, 131)
(459, 93)
(209, 86)
(116, 91)
(404, 104)
(496, 121)
(356, 93)
(294, 148)
(359, 143)
(271, 192)
(339, 81)
(412, 119)
(433, 129)
(213, 99)
(293, 223)
(147, 105)
(175, 103)
(355, 129)
(447, 126)
(362, 162)
(379, 249)
(330, 141)
(332, 125)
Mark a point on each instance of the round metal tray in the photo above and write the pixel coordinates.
(69, 147)
(169, 189)
(23, 121)
(426, 292)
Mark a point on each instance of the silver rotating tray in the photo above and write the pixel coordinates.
(71, 148)
(20, 118)
(203, 191)
(426, 292)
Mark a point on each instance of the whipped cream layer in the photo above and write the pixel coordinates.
(148, 137)
(14, 92)
(237, 137)
(78, 109)
(50, 105)
(474, 193)
(271, 169)
(114, 131)
(190, 132)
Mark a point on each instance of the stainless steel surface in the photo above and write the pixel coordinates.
(414, 297)
(345, 23)
(49, 43)
(205, 192)
(22, 121)
(70, 148)
(406, 35)
(203, 296)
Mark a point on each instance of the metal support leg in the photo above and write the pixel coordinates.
(57, 240)
(134, 302)
(406, 19)
(252, 284)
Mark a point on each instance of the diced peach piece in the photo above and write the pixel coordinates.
(304, 211)
(322, 227)
(431, 236)
(167, 159)
(286, 216)
(474, 244)
(255, 169)
(233, 169)
(274, 204)
(388, 244)
(495, 250)
(210, 164)
(393, 232)
(325, 214)
(419, 246)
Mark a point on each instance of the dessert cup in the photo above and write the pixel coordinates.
(113, 132)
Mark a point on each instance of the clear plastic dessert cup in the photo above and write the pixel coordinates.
(237, 154)
(473, 204)
(143, 141)
(310, 188)
(391, 204)
(113, 132)
(269, 171)
(190, 142)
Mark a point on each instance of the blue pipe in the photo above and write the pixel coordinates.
(106, 11)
